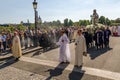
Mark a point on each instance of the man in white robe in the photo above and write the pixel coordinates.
(64, 52)
(80, 48)
(16, 47)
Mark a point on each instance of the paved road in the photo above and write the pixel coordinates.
(98, 65)
(107, 59)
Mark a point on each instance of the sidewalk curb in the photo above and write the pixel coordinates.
(30, 50)
(24, 52)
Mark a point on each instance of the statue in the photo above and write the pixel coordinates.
(95, 22)
(95, 18)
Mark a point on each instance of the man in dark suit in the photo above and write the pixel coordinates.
(98, 37)
(107, 34)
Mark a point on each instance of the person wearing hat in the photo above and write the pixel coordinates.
(16, 48)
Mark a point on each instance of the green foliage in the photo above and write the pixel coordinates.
(108, 22)
(21, 27)
(115, 24)
(105, 21)
(66, 24)
(84, 22)
(102, 20)
(1, 28)
(12, 28)
(51, 24)
(70, 23)
(76, 23)
(9, 28)
(117, 20)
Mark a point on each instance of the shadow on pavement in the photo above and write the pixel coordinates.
(76, 75)
(37, 53)
(95, 53)
(57, 71)
(3, 53)
(43, 50)
(8, 63)
(6, 58)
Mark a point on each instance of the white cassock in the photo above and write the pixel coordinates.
(79, 49)
(64, 52)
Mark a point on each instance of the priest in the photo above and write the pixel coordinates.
(80, 49)
(16, 47)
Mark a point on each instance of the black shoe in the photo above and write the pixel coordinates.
(16, 59)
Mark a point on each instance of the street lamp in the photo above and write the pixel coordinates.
(35, 5)
(36, 36)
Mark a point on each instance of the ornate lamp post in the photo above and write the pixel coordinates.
(36, 36)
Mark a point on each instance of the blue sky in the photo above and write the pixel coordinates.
(14, 11)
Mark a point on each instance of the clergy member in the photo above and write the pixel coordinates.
(16, 48)
(64, 52)
(80, 48)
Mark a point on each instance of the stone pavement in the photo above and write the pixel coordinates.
(98, 65)
(86, 70)
(45, 71)
(105, 59)
(11, 73)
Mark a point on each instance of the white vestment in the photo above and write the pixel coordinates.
(79, 49)
(16, 47)
(64, 52)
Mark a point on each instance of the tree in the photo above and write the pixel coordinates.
(66, 22)
(88, 22)
(76, 24)
(21, 27)
(58, 23)
(11, 28)
(70, 23)
(117, 20)
(84, 22)
(80, 22)
(108, 22)
(102, 20)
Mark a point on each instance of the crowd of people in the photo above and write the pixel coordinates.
(99, 39)
(82, 40)
(47, 38)
(53, 38)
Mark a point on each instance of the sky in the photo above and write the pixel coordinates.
(15, 11)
